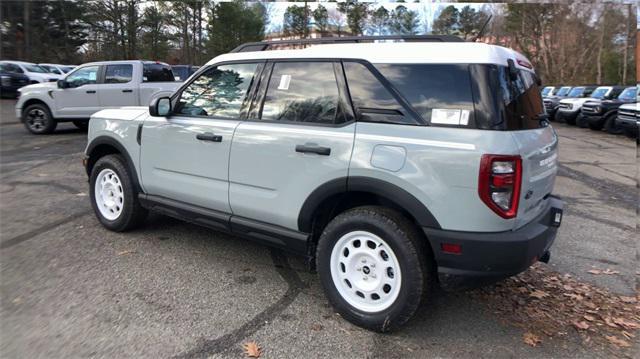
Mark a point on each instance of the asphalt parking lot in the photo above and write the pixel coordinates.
(70, 288)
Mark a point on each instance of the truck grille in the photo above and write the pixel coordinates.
(628, 115)
(564, 106)
(548, 104)
(586, 109)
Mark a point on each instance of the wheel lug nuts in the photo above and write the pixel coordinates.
(365, 278)
(364, 261)
(372, 265)
(373, 276)
(358, 269)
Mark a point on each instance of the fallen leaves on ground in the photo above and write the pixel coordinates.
(531, 339)
(548, 304)
(252, 349)
(605, 271)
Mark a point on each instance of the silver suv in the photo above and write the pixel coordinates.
(388, 165)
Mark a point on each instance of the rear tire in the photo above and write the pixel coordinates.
(114, 197)
(37, 119)
(375, 267)
(82, 125)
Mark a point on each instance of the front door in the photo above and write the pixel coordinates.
(80, 99)
(185, 157)
(300, 139)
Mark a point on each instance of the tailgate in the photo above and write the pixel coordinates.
(539, 151)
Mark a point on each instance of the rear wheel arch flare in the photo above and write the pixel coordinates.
(104, 145)
(333, 191)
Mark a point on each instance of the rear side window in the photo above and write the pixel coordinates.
(12, 68)
(157, 72)
(219, 91)
(116, 74)
(440, 93)
(372, 101)
(523, 106)
(302, 92)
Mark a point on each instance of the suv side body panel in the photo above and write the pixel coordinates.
(440, 168)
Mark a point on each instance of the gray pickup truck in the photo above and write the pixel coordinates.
(388, 165)
(90, 88)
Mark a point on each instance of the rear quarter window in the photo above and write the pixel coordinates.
(440, 93)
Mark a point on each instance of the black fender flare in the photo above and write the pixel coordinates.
(110, 141)
(381, 188)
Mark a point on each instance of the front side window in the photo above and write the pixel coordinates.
(157, 72)
(219, 91)
(83, 76)
(117, 74)
(441, 94)
(302, 92)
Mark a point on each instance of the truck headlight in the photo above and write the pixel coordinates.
(5, 80)
(597, 109)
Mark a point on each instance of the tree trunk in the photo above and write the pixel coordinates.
(625, 56)
(26, 30)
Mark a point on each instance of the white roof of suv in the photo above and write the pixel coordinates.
(395, 52)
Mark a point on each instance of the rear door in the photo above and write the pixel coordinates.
(299, 137)
(118, 87)
(185, 157)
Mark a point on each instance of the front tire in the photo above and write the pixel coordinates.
(374, 267)
(611, 127)
(114, 197)
(38, 120)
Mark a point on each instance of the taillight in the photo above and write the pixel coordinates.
(499, 183)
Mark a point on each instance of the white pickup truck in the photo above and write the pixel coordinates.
(90, 88)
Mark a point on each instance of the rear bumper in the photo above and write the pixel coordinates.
(497, 254)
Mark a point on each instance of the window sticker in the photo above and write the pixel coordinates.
(93, 76)
(446, 116)
(464, 117)
(284, 82)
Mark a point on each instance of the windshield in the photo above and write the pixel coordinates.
(51, 69)
(576, 92)
(563, 91)
(629, 94)
(547, 91)
(35, 68)
(600, 92)
(66, 69)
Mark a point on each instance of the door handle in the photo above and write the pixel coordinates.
(91, 91)
(313, 148)
(208, 136)
(127, 90)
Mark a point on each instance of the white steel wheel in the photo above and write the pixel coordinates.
(365, 271)
(109, 195)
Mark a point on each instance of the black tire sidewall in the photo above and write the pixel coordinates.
(82, 125)
(611, 127)
(50, 124)
(116, 164)
(412, 267)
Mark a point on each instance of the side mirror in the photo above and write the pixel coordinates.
(160, 106)
(513, 70)
(63, 84)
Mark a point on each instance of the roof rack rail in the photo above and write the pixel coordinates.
(266, 45)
